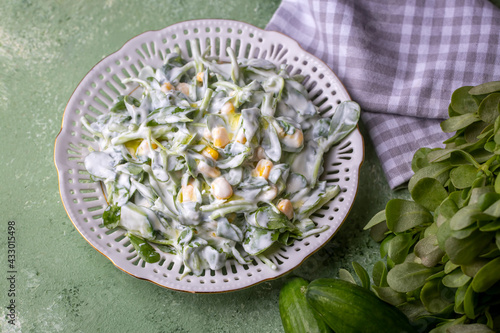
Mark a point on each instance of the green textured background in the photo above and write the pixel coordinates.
(63, 284)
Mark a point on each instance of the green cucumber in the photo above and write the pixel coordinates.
(349, 308)
(296, 315)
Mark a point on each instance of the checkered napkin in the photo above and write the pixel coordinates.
(400, 60)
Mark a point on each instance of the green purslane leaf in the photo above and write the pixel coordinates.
(470, 300)
(456, 279)
(429, 193)
(497, 185)
(379, 232)
(378, 218)
(362, 274)
(447, 210)
(432, 296)
(465, 251)
(478, 190)
(474, 267)
(488, 109)
(458, 122)
(111, 216)
(493, 226)
(463, 176)
(403, 215)
(420, 159)
(399, 246)
(379, 274)
(428, 250)
(389, 295)
(442, 249)
(346, 276)
(485, 88)
(462, 102)
(144, 249)
(459, 298)
(464, 217)
(487, 200)
(450, 267)
(451, 112)
(474, 132)
(384, 246)
(487, 276)
(409, 276)
(439, 171)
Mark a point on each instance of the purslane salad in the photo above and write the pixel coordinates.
(215, 160)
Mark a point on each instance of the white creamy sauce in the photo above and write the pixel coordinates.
(159, 156)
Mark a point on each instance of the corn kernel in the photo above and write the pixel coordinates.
(263, 168)
(281, 133)
(221, 189)
(294, 140)
(240, 137)
(183, 88)
(144, 148)
(207, 170)
(285, 206)
(269, 195)
(199, 76)
(220, 137)
(207, 134)
(188, 193)
(227, 108)
(166, 87)
(209, 152)
(259, 153)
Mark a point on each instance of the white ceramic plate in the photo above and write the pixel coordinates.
(85, 202)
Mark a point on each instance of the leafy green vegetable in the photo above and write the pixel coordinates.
(111, 216)
(428, 192)
(462, 102)
(398, 247)
(432, 296)
(485, 88)
(487, 276)
(403, 215)
(408, 276)
(377, 219)
(362, 275)
(346, 276)
(143, 249)
(443, 248)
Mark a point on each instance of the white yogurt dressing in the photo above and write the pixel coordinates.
(161, 151)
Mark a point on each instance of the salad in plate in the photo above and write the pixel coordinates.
(211, 160)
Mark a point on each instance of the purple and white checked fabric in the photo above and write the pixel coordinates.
(400, 60)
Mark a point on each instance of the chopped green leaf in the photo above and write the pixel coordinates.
(111, 216)
(144, 249)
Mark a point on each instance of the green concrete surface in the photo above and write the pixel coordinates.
(62, 284)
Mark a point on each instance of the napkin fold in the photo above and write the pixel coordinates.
(401, 61)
